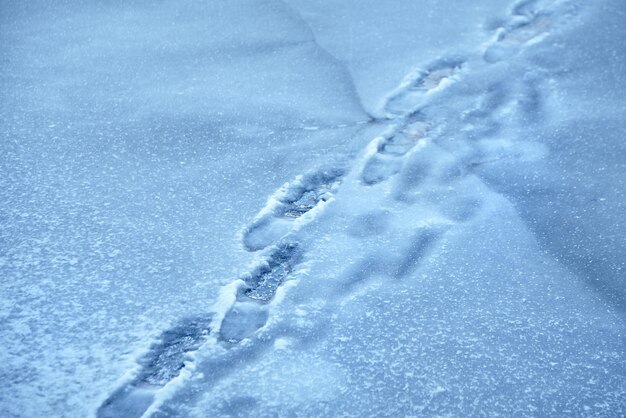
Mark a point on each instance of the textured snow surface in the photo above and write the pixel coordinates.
(313, 208)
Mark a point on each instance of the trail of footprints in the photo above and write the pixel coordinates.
(298, 203)
(530, 22)
(280, 256)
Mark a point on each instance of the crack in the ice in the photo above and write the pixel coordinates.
(343, 66)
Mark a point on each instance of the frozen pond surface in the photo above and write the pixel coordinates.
(313, 208)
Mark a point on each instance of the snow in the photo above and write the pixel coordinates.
(312, 208)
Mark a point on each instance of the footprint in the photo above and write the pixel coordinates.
(242, 320)
(160, 365)
(461, 208)
(484, 120)
(386, 161)
(369, 224)
(379, 168)
(520, 31)
(291, 202)
(406, 138)
(265, 279)
(418, 166)
(532, 98)
(130, 401)
(416, 87)
(525, 8)
(166, 359)
(421, 243)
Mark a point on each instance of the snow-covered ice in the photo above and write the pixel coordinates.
(313, 208)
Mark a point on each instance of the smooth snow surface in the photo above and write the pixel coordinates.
(313, 208)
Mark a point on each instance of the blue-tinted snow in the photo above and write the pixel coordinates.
(462, 256)
(381, 42)
(136, 142)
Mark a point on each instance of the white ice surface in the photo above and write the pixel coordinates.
(136, 142)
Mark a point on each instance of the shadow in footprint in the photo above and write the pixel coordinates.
(417, 168)
(369, 224)
(532, 98)
(289, 203)
(406, 138)
(265, 279)
(160, 365)
(387, 160)
(421, 243)
(415, 86)
(312, 190)
(242, 320)
(483, 121)
(524, 8)
(516, 34)
(379, 168)
(461, 208)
